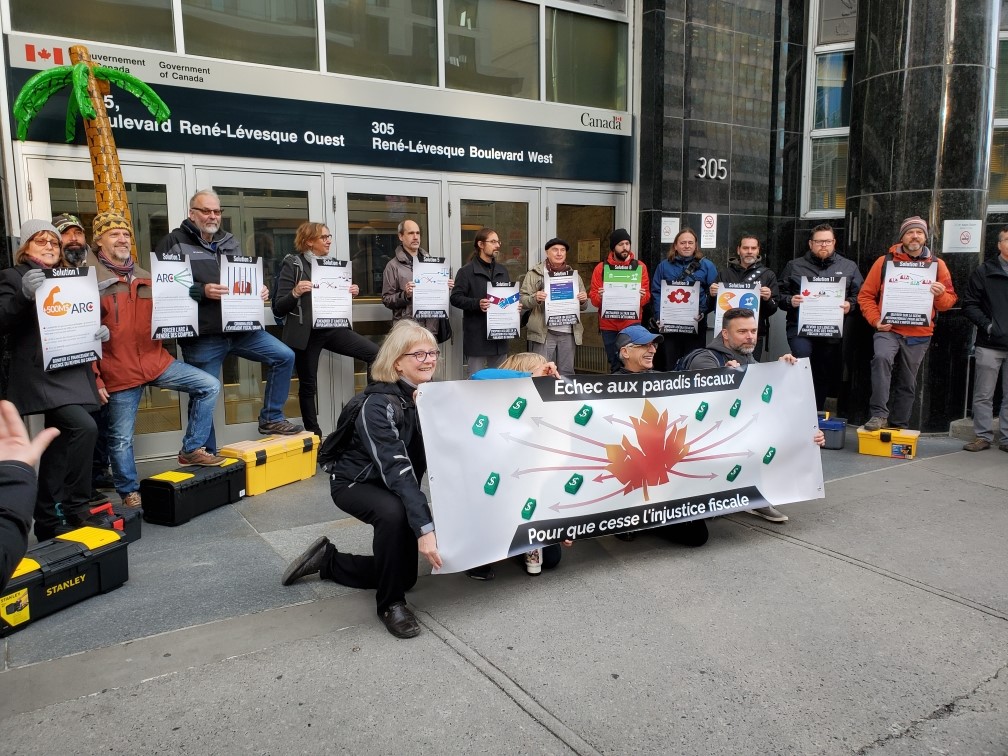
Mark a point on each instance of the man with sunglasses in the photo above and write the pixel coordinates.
(201, 238)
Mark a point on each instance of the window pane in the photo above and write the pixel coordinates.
(275, 34)
(138, 25)
(373, 232)
(833, 90)
(1001, 81)
(383, 39)
(492, 46)
(586, 60)
(999, 168)
(509, 220)
(837, 21)
(829, 174)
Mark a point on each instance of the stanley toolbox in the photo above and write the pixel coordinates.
(176, 496)
(888, 442)
(57, 573)
(118, 517)
(275, 461)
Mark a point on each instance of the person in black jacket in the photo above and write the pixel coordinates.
(18, 457)
(377, 480)
(748, 269)
(470, 296)
(825, 353)
(293, 302)
(986, 306)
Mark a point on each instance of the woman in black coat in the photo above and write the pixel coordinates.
(299, 334)
(64, 397)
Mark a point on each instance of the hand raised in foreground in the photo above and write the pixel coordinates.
(14, 442)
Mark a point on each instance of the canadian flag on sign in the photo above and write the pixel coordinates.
(44, 54)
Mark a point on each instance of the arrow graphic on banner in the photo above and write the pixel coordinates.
(540, 422)
(519, 473)
(508, 437)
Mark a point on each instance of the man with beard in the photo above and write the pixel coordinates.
(131, 360)
(748, 269)
(620, 258)
(203, 241)
(902, 346)
(397, 281)
(75, 246)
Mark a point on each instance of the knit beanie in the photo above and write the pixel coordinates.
(33, 226)
(107, 221)
(914, 221)
(617, 236)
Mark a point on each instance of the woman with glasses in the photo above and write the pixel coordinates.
(377, 480)
(293, 303)
(687, 265)
(65, 397)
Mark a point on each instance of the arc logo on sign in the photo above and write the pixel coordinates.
(182, 277)
(53, 307)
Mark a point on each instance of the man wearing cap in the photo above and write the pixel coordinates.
(620, 258)
(901, 345)
(203, 241)
(131, 360)
(557, 342)
(75, 247)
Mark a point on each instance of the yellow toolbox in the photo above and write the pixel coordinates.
(275, 461)
(888, 442)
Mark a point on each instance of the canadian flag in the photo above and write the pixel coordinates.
(44, 54)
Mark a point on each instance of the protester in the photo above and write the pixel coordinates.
(685, 264)
(986, 305)
(620, 258)
(377, 480)
(293, 302)
(900, 346)
(66, 397)
(397, 281)
(748, 269)
(555, 343)
(18, 457)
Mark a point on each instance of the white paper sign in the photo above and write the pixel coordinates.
(906, 293)
(430, 288)
(961, 236)
(175, 314)
(679, 310)
(708, 231)
(621, 297)
(332, 305)
(69, 315)
(730, 296)
(516, 464)
(669, 228)
(503, 318)
(821, 310)
(242, 307)
(562, 307)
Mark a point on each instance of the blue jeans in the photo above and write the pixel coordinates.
(208, 353)
(122, 409)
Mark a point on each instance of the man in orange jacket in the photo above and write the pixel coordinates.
(620, 258)
(901, 345)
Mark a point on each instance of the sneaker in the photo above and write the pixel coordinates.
(1003, 447)
(279, 428)
(769, 513)
(876, 423)
(132, 500)
(977, 444)
(200, 457)
(486, 572)
(533, 561)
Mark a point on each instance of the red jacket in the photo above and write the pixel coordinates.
(870, 296)
(130, 358)
(595, 292)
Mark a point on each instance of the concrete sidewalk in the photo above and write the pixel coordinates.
(874, 622)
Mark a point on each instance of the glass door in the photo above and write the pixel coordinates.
(156, 198)
(263, 210)
(514, 213)
(585, 220)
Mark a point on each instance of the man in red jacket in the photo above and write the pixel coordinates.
(901, 345)
(620, 263)
(131, 360)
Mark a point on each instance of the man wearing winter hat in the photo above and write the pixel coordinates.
(620, 258)
(75, 247)
(131, 360)
(901, 345)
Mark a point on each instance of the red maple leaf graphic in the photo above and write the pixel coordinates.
(679, 295)
(806, 293)
(657, 451)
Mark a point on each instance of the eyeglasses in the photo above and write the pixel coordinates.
(46, 242)
(326, 237)
(823, 242)
(422, 356)
(205, 211)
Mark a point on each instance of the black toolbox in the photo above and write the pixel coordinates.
(63, 571)
(176, 496)
(127, 520)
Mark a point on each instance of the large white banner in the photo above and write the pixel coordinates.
(516, 464)
(69, 315)
(176, 314)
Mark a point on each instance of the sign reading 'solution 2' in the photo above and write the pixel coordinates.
(209, 121)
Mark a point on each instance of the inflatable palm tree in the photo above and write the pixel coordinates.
(88, 84)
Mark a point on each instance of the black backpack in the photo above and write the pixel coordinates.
(337, 442)
(683, 363)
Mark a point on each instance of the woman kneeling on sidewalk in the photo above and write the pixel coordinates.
(377, 480)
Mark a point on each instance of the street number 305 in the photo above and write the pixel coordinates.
(712, 168)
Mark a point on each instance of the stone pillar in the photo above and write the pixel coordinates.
(921, 119)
